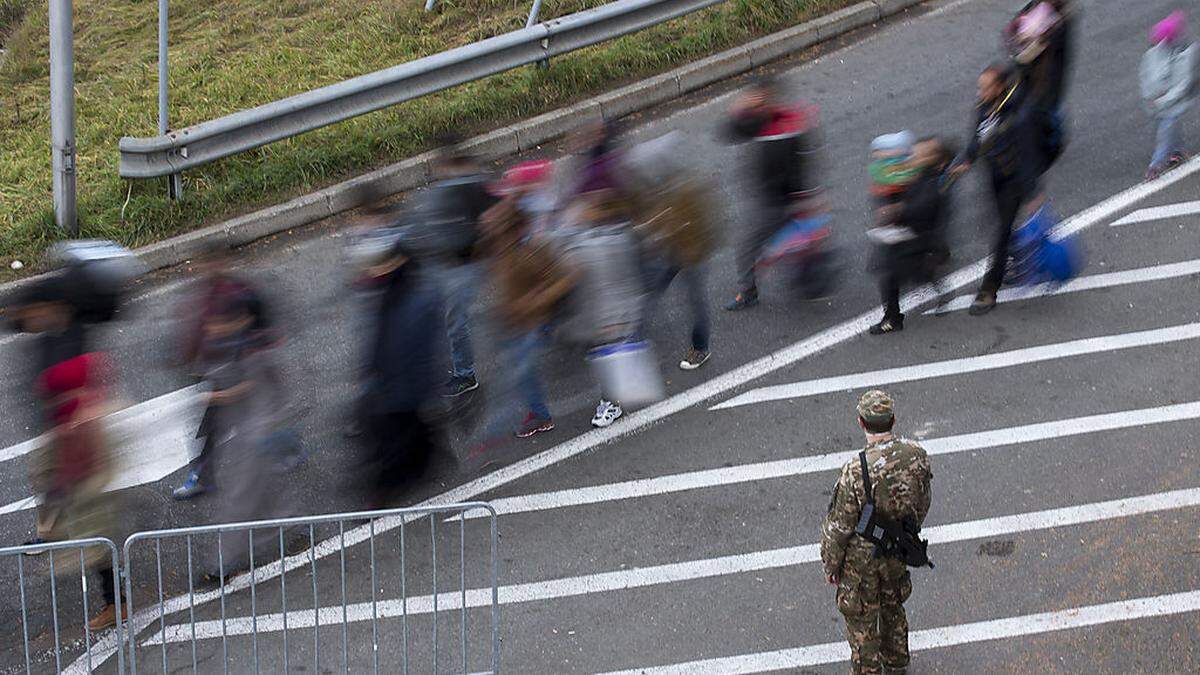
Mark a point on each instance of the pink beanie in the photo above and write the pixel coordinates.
(1169, 29)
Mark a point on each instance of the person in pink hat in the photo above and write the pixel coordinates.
(1168, 80)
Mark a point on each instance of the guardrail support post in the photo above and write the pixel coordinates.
(175, 182)
(62, 114)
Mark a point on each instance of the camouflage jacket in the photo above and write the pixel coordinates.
(900, 479)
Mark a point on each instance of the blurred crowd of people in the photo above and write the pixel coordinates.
(580, 250)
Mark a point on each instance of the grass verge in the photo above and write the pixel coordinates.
(228, 55)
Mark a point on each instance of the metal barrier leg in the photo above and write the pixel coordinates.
(345, 623)
(87, 628)
(162, 615)
(283, 598)
(433, 540)
(403, 598)
(253, 604)
(374, 608)
(54, 613)
(312, 557)
(24, 612)
(191, 601)
(462, 583)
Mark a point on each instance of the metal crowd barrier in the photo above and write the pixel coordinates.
(62, 627)
(245, 543)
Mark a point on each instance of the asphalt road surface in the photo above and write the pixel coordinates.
(1063, 428)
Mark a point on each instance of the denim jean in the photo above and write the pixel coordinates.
(659, 278)
(461, 284)
(521, 354)
(1166, 140)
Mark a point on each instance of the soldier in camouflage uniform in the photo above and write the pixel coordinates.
(871, 591)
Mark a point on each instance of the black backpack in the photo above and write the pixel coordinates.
(96, 276)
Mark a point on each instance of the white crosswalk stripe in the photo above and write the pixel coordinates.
(1159, 213)
(927, 371)
(933, 638)
(1009, 437)
(1085, 283)
(686, 571)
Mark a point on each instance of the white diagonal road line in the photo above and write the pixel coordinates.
(970, 364)
(678, 572)
(106, 646)
(1159, 213)
(946, 636)
(1088, 283)
(746, 473)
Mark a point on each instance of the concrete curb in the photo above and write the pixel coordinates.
(510, 140)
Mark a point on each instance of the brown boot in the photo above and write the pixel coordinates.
(107, 618)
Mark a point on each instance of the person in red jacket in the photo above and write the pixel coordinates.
(783, 146)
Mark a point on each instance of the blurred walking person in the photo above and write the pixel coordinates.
(1003, 139)
(674, 216)
(79, 467)
(921, 212)
(1168, 80)
(59, 335)
(531, 282)
(783, 148)
(1041, 42)
(217, 286)
(401, 373)
(452, 208)
(246, 402)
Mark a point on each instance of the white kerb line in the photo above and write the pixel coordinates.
(786, 468)
(1159, 213)
(106, 646)
(691, 570)
(946, 636)
(1086, 283)
(970, 364)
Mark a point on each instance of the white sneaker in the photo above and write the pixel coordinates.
(606, 413)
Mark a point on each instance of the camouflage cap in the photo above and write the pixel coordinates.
(875, 406)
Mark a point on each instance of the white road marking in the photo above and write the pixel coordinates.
(679, 572)
(1088, 283)
(970, 364)
(947, 636)
(1159, 213)
(107, 645)
(785, 468)
(151, 441)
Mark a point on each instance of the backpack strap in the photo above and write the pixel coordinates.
(866, 476)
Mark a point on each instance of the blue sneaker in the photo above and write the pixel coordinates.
(191, 488)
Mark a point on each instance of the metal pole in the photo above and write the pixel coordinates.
(428, 5)
(175, 185)
(533, 17)
(62, 114)
(533, 13)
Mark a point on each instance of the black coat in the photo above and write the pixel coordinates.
(925, 209)
(404, 355)
(783, 151)
(1005, 139)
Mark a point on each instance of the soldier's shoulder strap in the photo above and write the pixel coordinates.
(866, 478)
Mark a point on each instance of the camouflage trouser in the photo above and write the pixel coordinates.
(871, 598)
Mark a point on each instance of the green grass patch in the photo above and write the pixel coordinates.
(228, 55)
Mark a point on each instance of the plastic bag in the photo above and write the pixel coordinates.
(628, 372)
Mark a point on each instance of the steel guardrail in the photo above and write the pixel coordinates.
(209, 141)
